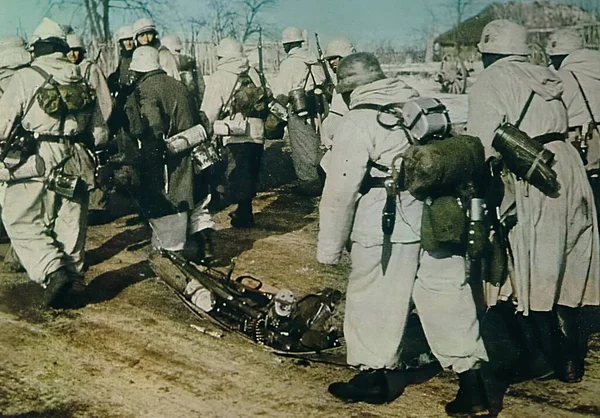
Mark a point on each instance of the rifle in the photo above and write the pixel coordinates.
(261, 70)
(328, 85)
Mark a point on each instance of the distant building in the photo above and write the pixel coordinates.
(540, 18)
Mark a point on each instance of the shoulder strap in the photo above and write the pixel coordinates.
(235, 88)
(525, 109)
(309, 74)
(47, 80)
(88, 71)
(585, 99)
(368, 106)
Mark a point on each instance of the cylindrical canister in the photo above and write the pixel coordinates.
(299, 102)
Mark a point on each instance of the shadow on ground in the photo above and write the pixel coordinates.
(108, 285)
(116, 244)
(289, 212)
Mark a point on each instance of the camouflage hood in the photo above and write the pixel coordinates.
(585, 62)
(13, 58)
(235, 65)
(59, 67)
(539, 79)
(382, 92)
(304, 54)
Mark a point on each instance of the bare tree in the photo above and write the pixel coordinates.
(588, 5)
(222, 18)
(98, 12)
(462, 8)
(252, 10)
(239, 19)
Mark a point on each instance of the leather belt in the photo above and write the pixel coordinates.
(377, 183)
(575, 128)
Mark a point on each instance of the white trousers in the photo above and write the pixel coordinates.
(46, 230)
(377, 307)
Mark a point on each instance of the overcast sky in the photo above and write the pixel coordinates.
(364, 21)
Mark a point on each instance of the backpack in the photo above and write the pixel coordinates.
(58, 99)
(249, 99)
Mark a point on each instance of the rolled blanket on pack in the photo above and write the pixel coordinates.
(447, 167)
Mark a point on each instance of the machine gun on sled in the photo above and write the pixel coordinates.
(276, 320)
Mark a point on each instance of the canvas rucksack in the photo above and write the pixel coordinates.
(57, 99)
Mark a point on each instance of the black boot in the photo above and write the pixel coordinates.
(495, 384)
(369, 386)
(470, 399)
(570, 350)
(198, 247)
(56, 284)
(242, 217)
(535, 360)
(206, 245)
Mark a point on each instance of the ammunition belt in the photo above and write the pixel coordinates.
(547, 138)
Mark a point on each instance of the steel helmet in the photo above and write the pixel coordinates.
(564, 41)
(124, 32)
(505, 38)
(172, 42)
(357, 70)
(291, 34)
(340, 47)
(143, 25)
(48, 30)
(229, 47)
(145, 59)
(75, 41)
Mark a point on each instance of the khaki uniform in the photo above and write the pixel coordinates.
(301, 68)
(585, 64)
(48, 231)
(94, 76)
(555, 241)
(378, 304)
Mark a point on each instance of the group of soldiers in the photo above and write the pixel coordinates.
(57, 108)
(529, 325)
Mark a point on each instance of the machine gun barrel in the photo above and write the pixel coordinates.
(212, 281)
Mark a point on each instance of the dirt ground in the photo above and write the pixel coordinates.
(131, 352)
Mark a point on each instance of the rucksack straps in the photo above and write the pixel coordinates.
(525, 109)
(47, 80)
(585, 99)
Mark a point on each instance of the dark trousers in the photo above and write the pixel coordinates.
(243, 171)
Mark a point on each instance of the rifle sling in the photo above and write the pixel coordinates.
(587, 103)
